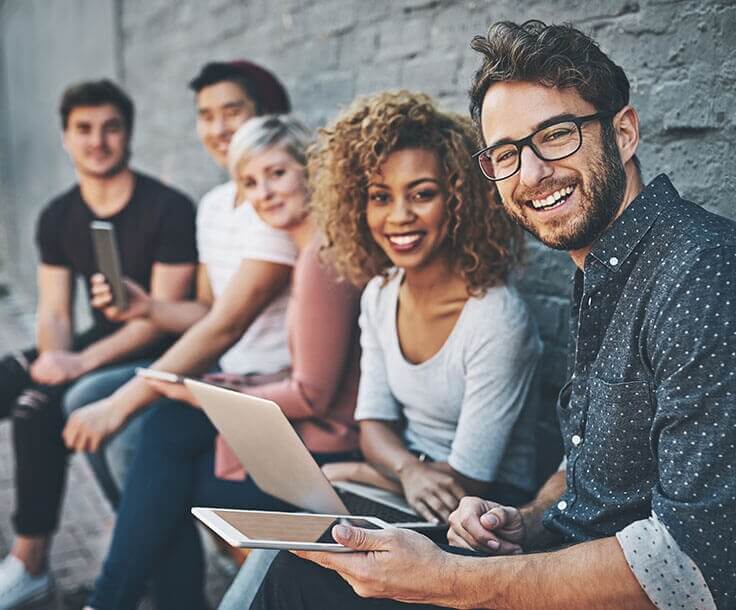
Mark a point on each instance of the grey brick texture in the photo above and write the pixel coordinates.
(680, 56)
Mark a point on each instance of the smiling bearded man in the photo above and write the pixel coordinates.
(640, 515)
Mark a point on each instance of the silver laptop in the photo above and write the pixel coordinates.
(273, 454)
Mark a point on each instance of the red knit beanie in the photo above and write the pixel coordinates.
(271, 93)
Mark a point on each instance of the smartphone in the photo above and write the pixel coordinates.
(108, 260)
(159, 375)
(254, 529)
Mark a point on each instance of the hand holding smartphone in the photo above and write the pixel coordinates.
(108, 260)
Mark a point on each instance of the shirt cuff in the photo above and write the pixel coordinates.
(666, 574)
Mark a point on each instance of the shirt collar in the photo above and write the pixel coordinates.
(618, 242)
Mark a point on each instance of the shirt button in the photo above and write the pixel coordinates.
(590, 301)
(576, 439)
(613, 260)
(562, 505)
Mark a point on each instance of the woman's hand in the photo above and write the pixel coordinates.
(432, 493)
(232, 381)
(53, 367)
(88, 427)
(174, 391)
(360, 472)
(341, 471)
(139, 301)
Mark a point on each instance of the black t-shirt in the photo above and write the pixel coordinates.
(156, 225)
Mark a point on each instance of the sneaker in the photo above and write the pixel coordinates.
(18, 587)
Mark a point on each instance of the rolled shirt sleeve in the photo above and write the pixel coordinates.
(693, 348)
(666, 574)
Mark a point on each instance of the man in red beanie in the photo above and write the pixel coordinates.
(230, 93)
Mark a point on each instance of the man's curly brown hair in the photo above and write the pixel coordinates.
(551, 55)
(483, 242)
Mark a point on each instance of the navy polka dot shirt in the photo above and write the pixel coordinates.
(649, 415)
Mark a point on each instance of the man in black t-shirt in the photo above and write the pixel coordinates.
(155, 230)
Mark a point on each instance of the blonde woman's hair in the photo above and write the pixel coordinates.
(258, 133)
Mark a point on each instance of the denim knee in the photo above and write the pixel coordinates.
(98, 385)
(110, 463)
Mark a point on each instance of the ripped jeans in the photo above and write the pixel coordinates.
(40, 454)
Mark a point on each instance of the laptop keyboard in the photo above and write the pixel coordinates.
(360, 505)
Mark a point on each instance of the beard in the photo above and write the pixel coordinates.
(600, 200)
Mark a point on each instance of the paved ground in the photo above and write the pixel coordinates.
(87, 520)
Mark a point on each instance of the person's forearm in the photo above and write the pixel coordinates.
(134, 336)
(53, 333)
(384, 448)
(248, 293)
(589, 576)
(133, 396)
(253, 287)
(471, 487)
(178, 316)
(196, 351)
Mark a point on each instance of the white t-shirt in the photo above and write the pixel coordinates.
(473, 404)
(226, 235)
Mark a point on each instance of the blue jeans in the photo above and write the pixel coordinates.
(155, 536)
(110, 464)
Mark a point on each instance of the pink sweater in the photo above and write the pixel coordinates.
(319, 396)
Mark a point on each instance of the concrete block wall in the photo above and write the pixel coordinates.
(680, 56)
(44, 46)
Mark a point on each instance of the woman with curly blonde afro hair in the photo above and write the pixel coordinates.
(449, 352)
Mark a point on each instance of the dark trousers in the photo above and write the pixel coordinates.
(40, 454)
(298, 584)
(155, 536)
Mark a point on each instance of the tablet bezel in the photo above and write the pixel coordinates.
(234, 537)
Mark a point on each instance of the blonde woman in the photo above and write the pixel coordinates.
(174, 467)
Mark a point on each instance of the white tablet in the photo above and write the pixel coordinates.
(255, 529)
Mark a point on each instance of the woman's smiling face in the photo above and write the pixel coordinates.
(406, 210)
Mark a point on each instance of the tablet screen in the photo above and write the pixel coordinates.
(281, 527)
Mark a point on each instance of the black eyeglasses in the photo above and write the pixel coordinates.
(550, 143)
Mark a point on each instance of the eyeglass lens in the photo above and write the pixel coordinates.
(551, 143)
